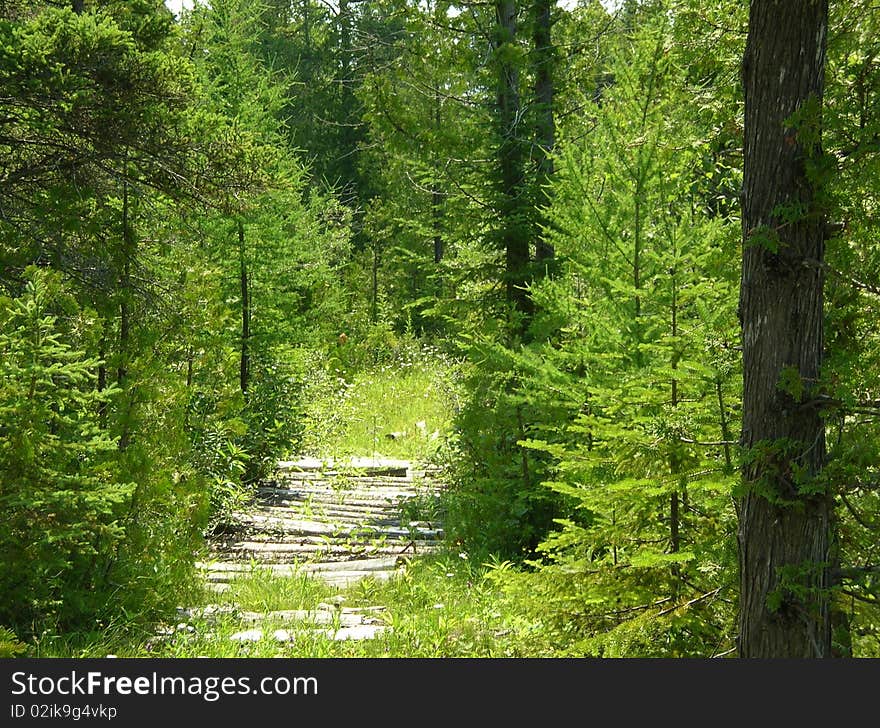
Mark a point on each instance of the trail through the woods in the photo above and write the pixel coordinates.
(337, 520)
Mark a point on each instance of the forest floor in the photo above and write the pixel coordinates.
(333, 559)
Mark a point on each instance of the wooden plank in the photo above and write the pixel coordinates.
(371, 465)
(281, 551)
(312, 617)
(339, 530)
(338, 520)
(360, 632)
(383, 562)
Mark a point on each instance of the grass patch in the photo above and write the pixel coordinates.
(261, 591)
(399, 409)
(436, 606)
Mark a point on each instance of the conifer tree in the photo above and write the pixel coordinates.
(644, 459)
(60, 487)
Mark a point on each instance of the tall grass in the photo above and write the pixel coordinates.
(402, 408)
(439, 606)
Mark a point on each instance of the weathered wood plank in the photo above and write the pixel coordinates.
(339, 521)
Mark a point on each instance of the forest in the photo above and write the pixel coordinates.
(611, 268)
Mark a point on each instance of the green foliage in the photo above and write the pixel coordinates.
(104, 514)
(276, 249)
(400, 407)
(261, 591)
(249, 226)
(10, 646)
(495, 504)
(61, 489)
(273, 416)
(84, 519)
(850, 122)
(215, 452)
(424, 135)
(91, 91)
(434, 607)
(634, 422)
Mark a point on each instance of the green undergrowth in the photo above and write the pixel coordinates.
(438, 606)
(399, 408)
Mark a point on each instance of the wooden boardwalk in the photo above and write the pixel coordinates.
(337, 520)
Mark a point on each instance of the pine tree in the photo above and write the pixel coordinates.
(60, 488)
(644, 458)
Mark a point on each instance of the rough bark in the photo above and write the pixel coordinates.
(784, 529)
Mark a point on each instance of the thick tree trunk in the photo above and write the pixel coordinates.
(784, 528)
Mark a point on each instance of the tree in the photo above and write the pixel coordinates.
(279, 244)
(638, 563)
(60, 487)
(93, 143)
(427, 152)
(512, 201)
(785, 511)
(851, 128)
(544, 62)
